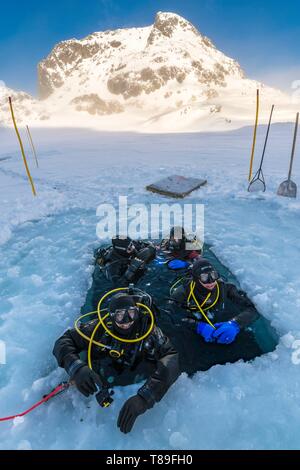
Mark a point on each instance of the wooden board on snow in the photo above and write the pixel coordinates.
(176, 186)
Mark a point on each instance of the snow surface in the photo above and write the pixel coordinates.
(46, 264)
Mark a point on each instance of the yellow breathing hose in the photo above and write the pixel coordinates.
(202, 310)
(192, 287)
(90, 346)
(87, 338)
(91, 340)
(175, 284)
(122, 340)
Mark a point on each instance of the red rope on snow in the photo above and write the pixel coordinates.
(60, 388)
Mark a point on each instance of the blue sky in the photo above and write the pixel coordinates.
(262, 35)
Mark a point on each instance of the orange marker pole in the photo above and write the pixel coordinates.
(22, 148)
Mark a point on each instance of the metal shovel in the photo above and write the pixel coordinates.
(288, 188)
(258, 181)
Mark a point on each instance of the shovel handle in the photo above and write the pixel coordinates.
(294, 147)
(267, 136)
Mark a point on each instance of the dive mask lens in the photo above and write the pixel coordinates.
(120, 314)
(132, 312)
(214, 275)
(210, 277)
(204, 278)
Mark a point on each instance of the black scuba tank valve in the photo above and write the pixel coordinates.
(131, 289)
(104, 397)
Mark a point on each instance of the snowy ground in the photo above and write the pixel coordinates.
(45, 268)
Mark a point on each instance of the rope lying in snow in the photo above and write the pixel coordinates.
(60, 388)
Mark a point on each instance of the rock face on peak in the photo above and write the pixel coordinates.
(167, 25)
(94, 105)
(63, 60)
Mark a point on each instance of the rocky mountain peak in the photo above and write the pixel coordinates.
(167, 25)
(166, 74)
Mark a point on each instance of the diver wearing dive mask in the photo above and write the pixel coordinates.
(120, 354)
(210, 305)
(123, 313)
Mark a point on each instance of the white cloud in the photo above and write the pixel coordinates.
(282, 78)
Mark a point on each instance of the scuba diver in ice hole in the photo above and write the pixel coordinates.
(122, 347)
(208, 320)
(124, 262)
(180, 250)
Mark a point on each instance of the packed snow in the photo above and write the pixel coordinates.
(46, 263)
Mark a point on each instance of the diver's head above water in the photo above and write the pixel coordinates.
(177, 239)
(205, 274)
(125, 315)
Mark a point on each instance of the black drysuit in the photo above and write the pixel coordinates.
(156, 362)
(194, 353)
(113, 269)
(124, 269)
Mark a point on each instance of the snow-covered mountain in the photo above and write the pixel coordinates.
(164, 77)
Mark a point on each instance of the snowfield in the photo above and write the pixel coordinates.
(46, 260)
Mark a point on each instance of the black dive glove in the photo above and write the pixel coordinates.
(86, 380)
(131, 409)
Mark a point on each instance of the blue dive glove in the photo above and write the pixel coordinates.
(177, 264)
(226, 332)
(206, 331)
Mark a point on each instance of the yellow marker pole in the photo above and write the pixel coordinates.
(254, 135)
(22, 148)
(32, 146)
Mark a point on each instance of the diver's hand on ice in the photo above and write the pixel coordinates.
(131, 409)
(86, 380)
(206, 331)
(226, 332)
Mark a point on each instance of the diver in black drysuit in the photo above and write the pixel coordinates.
(199, 344)
(175, 249)
(121, 363)
(122, 263)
